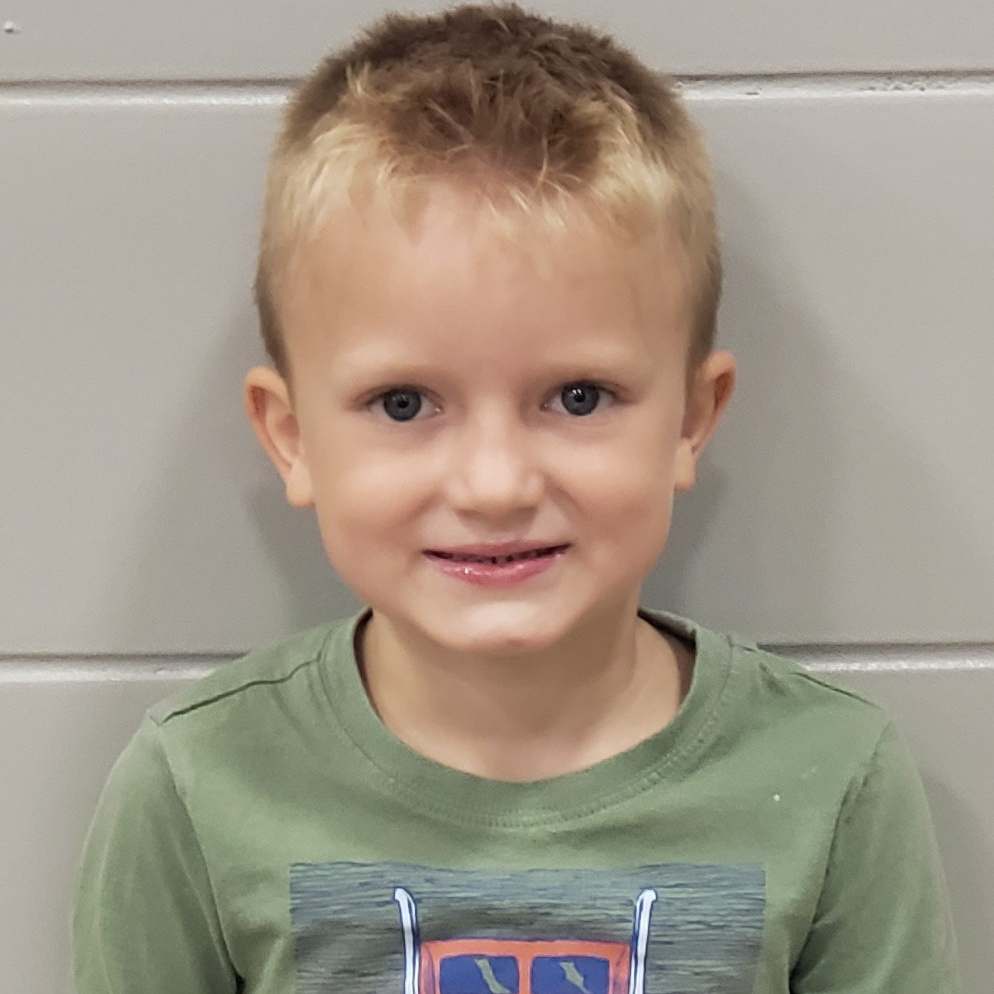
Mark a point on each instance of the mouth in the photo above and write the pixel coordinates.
(498, 559)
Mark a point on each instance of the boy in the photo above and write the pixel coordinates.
(488, 282)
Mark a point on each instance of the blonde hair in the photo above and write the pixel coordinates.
(543, 117)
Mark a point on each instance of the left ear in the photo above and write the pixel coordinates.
(707, 395)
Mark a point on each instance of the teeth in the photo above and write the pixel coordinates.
(495, 560)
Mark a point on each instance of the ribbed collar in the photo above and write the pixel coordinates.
(467, 799)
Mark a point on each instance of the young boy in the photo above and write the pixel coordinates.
(488, 282)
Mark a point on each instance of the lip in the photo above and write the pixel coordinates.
(486, 566)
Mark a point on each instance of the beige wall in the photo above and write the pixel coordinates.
(846, 501)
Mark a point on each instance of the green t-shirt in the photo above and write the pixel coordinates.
(265, 833)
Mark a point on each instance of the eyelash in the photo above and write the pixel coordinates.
(378, 401)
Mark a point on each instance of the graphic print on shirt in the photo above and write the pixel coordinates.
(397, 929)
(513, 966)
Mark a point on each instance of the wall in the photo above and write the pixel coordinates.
(844, 508)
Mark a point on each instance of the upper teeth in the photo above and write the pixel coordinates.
(495, 560)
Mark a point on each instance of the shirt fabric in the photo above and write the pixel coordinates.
(265, 833)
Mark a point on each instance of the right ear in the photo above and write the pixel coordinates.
(270, 412)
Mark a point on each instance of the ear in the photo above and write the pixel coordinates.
(707, 395)
(270, 411)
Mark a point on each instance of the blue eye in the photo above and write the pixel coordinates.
(401, 405)
(580, 399)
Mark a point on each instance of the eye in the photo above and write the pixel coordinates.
(400, 404)
(579, 399)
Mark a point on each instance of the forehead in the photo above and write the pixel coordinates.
(455, 273)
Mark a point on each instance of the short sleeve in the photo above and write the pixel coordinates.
(883, 921)
(145, 919)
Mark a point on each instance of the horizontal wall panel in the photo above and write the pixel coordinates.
(845, 499)
(58, 740)
(847, 495)
(133, 494)
(236, 39)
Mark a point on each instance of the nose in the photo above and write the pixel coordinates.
(494, 468)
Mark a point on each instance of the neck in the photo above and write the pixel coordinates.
(527, 716)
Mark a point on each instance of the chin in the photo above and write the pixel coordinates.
(498, 630)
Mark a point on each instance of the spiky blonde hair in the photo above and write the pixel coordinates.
(542, 117)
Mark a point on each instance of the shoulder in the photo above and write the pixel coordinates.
(807, 704)
(766, 673)
(773, 702)
(831, 753)
(252, 722)
(261, 674)
(786, 677)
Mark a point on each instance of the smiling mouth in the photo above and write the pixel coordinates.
(461, 557)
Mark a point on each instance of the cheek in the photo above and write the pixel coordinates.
(642, 525)
(361, 542)
(626, 501)
(358, 483)
(627, 523)
(365, 510)
(621, 479)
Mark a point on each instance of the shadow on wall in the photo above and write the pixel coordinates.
(728, 561)
(826, 510)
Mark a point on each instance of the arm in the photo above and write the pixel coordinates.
(145, 920)
(883, 922)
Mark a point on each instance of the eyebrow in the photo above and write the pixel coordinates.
(376, 364)
(373, 360)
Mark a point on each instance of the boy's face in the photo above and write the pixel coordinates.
(459, 394)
